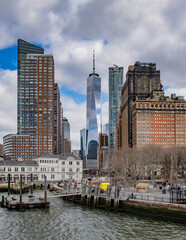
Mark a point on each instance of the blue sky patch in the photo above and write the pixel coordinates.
(105, 42)
(77, 97)
(8, 58)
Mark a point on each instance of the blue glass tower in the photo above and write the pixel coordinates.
(93, 118)
(82, 142)
(115, 86)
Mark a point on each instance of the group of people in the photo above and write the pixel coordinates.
(169, 186)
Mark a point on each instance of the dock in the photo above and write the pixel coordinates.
(30, 202)
(170, 207)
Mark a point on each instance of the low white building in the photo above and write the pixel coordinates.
(55, 167)
(59, 167)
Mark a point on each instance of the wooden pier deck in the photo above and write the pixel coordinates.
(37, 203)
(30, 202)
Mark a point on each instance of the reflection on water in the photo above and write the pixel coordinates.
(69, 221)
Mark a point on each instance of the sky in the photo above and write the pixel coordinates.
(120, 31)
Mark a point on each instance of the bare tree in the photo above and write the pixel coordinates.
(152, 158)
(174, 162)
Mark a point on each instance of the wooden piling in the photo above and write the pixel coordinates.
(96, 196)
(108, 197)
(31, 185)
(83, 192)
(45, 197)
(3, 201)
(116, 197)
(8, 184)
(20, 188)
(89, 193)
(65, 186)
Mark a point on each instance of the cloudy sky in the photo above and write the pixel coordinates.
(120, 31)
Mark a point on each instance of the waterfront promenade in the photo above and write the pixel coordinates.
(155, 203)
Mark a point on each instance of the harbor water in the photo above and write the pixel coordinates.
(65, 220)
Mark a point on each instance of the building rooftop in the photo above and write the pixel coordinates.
(46, 155)
(18, 163)
(66, 155)
(61, 156)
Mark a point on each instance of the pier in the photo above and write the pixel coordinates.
(118, 199)
(28, 203)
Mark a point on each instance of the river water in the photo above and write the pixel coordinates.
(71, 221)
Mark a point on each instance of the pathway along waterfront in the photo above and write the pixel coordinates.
(68, 221)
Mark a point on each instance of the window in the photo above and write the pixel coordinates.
(52, 176)
(77, 163)
(70, 169)
(22, 169)
(70, 163)
(63, 163)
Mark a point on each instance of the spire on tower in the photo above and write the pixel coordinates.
(93, 61)
(94, 73)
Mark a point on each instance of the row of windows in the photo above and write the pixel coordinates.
(161, 105)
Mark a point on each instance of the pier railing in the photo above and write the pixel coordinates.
(117, 193)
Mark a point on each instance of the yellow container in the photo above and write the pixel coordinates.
(103, 186)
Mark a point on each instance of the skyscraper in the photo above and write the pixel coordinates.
(82, 142)
(39, 109)
(93, 117)
(23, 49)
(66, 136)
(141, 80)
(58, 116)
(115, 86)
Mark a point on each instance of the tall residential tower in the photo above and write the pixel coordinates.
(39, 109)
(115, 86)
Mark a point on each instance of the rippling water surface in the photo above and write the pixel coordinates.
(69, 221)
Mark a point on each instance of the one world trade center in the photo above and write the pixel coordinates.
(93, 117)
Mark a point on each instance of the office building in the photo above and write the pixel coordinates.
(19, 147)
(24, 48)
(39, 108)
(66, 136)
(93, 117)
(1, 149)
(102, 151)
(66, 126)
(58, 116)
(141, 80)
(82, 143)
(115, 86)
(159, 120)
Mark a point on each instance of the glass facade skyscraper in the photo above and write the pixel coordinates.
(39, 110)
(93, 118)
(82, 142)
(23, 49)
(115, 85)
(66, 135)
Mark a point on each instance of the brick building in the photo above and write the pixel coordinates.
(141, 80)
(159, 120)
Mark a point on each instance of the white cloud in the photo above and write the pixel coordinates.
(149, 31)
(75, 113)
(8, 106)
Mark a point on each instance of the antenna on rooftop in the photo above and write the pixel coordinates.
(93, 61)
